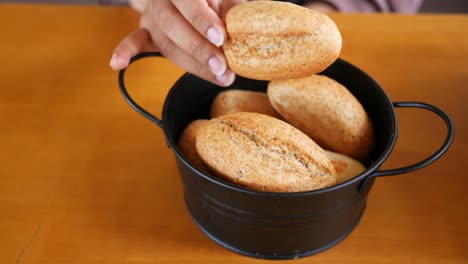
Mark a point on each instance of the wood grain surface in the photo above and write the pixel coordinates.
(85, 179)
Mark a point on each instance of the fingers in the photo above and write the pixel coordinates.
(203, 18)
(138, 5)
(187, 32)
(215, 5)
(186, 61)
(136, 42)
(183, 35)
(175, 37)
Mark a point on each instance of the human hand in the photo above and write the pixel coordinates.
(187, 32)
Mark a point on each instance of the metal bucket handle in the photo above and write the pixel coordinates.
(129, 99)
(421, 164)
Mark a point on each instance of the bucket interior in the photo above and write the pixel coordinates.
(191, 99)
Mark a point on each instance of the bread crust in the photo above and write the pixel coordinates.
(187, 144)
(327, 112)
(263, 153)
(346, 167)
(232, 101)
(268, 40)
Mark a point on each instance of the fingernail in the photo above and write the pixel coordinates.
(217, 66)
(226, 79)
(215, 36)
(114, 61)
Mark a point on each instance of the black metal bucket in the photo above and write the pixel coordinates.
(280, 225)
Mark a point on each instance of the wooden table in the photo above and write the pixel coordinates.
(85, 179)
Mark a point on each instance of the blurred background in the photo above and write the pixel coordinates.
(429, 6)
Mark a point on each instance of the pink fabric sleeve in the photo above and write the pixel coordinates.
(398, 6)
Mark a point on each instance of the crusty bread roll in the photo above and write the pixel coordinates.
(187, 143)
(269, 40)
(345, 167)
(263, 153)
(327, 112)
(232, 101)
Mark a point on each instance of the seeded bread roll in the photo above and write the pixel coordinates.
(232, 101)
(269, 40)
(345, 167)
(187, 143)
(263, 153)
(327, 112)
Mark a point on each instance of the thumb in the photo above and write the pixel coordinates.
(136, 42)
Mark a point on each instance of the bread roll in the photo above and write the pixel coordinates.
(187, 143)
(269, 40)
(327, 112)
(345, 167)
(263, 153)
(232, 101)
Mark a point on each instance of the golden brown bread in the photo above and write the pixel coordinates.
(270, 40)
(345, 167)
(187, 143)
(327, 112)
(232, 101)
(263, 153)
